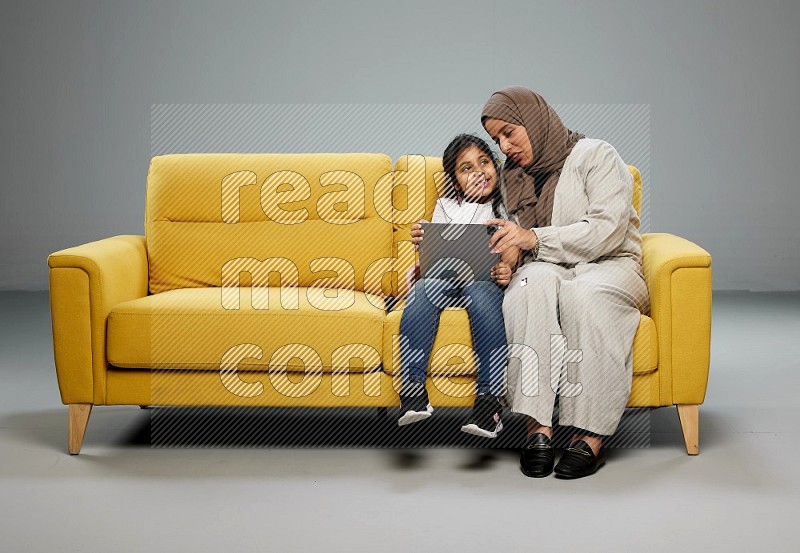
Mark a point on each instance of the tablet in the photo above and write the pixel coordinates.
(456, 251)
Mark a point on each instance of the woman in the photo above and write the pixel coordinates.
(570, 201)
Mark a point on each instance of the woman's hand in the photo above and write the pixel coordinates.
(512, 257)
(416, 233)
(501, 273)
(510, 234)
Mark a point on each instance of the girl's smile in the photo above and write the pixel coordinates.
(476, 174)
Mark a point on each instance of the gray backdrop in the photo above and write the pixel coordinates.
(714, 84)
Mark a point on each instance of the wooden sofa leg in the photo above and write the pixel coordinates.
(690, 423)
(78, 419)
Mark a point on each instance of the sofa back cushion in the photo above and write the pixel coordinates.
(312, 218)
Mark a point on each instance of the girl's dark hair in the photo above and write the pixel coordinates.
(458, 145)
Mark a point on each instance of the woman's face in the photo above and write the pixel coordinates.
(512, 139)
(476, 174)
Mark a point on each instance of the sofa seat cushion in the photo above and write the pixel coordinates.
(452, 347)
(189, 328)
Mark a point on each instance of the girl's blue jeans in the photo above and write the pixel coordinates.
(420, 321)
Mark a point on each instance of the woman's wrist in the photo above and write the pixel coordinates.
(534, 249)
(533, 240)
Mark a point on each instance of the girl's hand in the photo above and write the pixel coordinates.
(510, 234)
(501, 273)
(416, 234)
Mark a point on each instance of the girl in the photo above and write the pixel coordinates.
(471, 169)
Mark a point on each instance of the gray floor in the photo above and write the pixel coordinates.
(121, 494)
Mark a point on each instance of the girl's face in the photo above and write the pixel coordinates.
(476, 174)
(512, 139)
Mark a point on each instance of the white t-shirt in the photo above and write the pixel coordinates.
(447, 210)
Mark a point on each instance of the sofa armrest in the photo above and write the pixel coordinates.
(85, 283)
(678, 276)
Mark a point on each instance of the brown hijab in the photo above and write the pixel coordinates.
(530, 191)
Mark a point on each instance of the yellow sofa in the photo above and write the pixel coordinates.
(277, 280)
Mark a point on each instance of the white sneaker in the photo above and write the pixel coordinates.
(414, 409)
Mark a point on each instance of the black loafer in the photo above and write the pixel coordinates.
(579, 460)
(537, 456)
